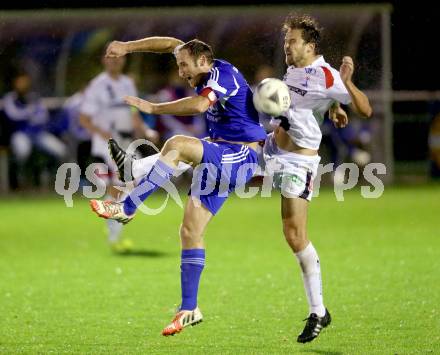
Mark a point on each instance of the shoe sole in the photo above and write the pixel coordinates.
(178, 331)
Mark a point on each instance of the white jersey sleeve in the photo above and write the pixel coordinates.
(337, 91)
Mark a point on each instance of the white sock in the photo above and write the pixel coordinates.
(311, 273)
(114, 230)
(114, 227)
(142, 167)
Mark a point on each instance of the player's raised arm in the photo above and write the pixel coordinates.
(187, 106)
(359, 101)
(149, 44)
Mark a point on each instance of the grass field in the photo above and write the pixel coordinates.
(62, 291)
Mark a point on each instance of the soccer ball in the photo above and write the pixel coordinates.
(272, 97)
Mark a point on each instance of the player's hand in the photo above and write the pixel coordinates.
(116, 49)
(338, 116)
(346, 70)
(141, 105)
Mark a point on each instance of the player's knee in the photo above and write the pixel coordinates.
(294, 232)
(174, 143)
(189, 234)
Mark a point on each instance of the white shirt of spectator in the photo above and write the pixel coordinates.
(313, 90)
(103, 102)
(33, 111)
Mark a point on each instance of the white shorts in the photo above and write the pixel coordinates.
(293, 174)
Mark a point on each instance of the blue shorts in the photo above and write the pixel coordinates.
(224, 167)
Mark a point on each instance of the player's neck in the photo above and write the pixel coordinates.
(114, 76)
(307, 61)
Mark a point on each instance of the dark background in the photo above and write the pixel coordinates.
(415, 66)
(415, 32)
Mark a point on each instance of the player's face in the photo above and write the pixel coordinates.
(189, 69)
(295, 48)
(114, 65)
(22, 84)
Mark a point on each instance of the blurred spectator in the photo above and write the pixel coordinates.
(78, 137)
(104, 115)
(27, 120)
(434, 146)
(169, 125)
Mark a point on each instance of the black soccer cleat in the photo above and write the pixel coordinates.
(314, 326)
(122, 159)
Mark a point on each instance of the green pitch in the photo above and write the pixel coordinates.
(63, 291)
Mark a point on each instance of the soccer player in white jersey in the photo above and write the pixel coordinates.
(105, 115)
(315, 87)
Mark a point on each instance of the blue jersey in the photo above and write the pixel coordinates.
(232, 116)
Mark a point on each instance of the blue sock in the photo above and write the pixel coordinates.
(193, 261)
(160, 173)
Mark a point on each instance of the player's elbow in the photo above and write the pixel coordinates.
(201, 109)
(367, 112)
(364, 111)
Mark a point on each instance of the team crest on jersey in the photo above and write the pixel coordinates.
(306, 82)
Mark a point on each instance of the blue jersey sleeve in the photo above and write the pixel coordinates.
(222, 82)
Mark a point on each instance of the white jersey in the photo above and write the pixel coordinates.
(103, 102)
(313, 90)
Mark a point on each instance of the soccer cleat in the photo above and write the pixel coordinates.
(314, 326)
(122, 246)
(110, 210)
(121, 159)
(182, 320)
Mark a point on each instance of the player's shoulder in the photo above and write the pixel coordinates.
(127, 79)
(9, 96)
(325, 72)
(224, 72)
(321, 66)
(223, 66)
(99, 80)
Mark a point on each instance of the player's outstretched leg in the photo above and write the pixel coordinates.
(176, 149)
(294, 216)
(195, 220)
(130, 168)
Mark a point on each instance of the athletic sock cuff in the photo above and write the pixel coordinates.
(193, 256)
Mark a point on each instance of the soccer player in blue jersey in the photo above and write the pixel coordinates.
(225, 98)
